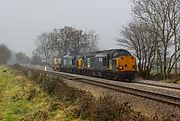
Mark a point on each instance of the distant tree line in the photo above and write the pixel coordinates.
(22, 58)
(9, 57)
(58, 42)
(5, 54)
(63, 41)
(154, 35)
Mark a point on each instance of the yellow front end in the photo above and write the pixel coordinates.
(126, 64)
(80, 63)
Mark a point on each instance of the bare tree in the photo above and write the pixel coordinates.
(163, 16)
(5, 54)
(139, 38)
(43, 48)
(93, 38)
(69, 39)
(36, 60)
(60, 40)
(174, 20)
(79, 41)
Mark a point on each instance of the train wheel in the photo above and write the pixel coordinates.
(115, 77)
(131, 77)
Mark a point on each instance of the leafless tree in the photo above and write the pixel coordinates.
(63, 41)
(36, 60)
(93, 38)
(79, 41)
(43, 48)
(174, 20)
(72, 40)
(139, 38)
(163, 16)
(5, 54)
(60, 40)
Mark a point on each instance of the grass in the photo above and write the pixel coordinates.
(81, 105)
(171, 79)
(6, 89)
(22, 100)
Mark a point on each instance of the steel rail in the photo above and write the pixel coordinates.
(118, 86)
(158, 84)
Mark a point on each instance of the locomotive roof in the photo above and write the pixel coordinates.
(102, 53)
(109, 51)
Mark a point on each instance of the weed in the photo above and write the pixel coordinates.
(39, 115)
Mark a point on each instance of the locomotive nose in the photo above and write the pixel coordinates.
(126, 63)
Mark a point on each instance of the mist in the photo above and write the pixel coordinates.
(23, 20)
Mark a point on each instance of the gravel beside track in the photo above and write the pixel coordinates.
(148, 107)
(158, 83)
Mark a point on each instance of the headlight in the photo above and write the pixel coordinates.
(120, 68)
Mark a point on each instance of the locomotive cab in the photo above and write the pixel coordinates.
(124, 65)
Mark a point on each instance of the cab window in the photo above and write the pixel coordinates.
(114, 62)
(123, 52)
(104, 61)
(115, 54)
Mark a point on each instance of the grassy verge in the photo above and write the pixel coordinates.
(22, 100)
(6, 93)
(78, 104)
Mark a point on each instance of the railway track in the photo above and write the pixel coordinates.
(156, 91)
(158, 84)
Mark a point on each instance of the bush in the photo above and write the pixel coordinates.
(107, 109)
(40, 115)
(80, 104)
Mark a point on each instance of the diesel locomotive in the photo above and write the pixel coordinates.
(116, 64)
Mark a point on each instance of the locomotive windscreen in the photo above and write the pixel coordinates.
(124, 52)
(120, 52)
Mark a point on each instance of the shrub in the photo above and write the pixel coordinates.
(80, 104)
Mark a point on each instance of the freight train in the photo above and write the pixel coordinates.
(116, 64)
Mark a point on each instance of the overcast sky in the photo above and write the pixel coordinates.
(22, 20)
